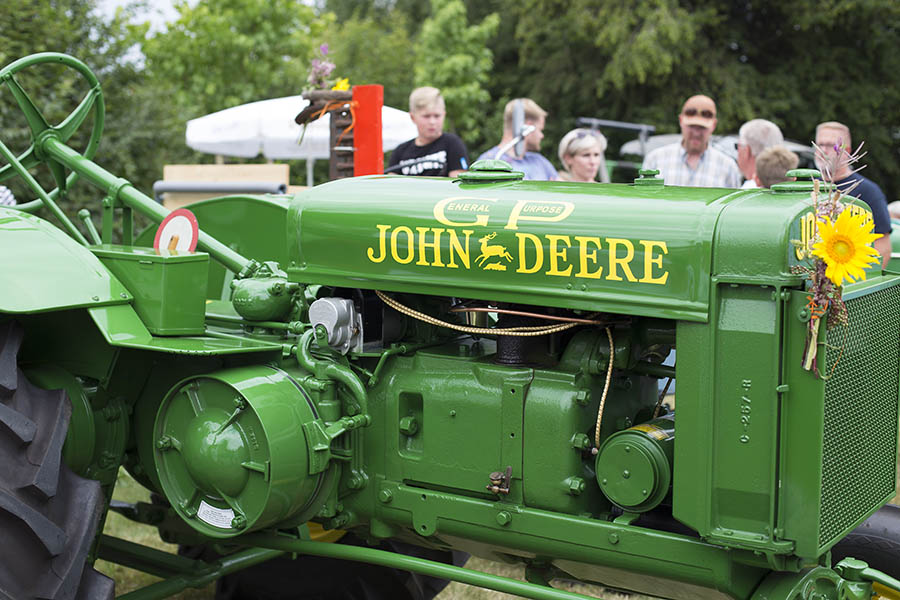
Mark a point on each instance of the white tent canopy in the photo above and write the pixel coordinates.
(267, 127)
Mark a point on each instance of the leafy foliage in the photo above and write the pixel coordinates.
(412, 12)
(452, 56)
(222, 53)
(794, 63)
(375, 50)
(139, 120)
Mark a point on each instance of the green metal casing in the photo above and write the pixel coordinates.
(250, 431)
(169, 289)
(894, 264)
(253, 226)
(718, 262)
(634, 466)
(556, 244)
(763, 457)
(48, 270)
(230, 452)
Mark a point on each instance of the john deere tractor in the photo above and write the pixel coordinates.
(467, 365)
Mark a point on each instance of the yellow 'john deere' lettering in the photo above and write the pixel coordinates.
(616, 261)
(456, 249)
(585, 254)
(557, 253)
(547, 254)
(382, 229)
(650, 260)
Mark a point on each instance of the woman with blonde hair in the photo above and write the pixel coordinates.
(581, 154)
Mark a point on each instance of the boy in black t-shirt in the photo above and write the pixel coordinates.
(433, 152)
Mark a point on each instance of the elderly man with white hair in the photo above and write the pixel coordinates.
(754, 137)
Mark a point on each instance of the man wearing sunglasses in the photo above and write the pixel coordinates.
(693, 162)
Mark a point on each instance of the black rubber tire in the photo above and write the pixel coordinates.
(48, 515)
(876, 541)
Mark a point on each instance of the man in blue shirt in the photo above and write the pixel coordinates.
(531, 163)
(833, 139)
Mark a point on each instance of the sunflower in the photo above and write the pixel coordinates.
(845, 246)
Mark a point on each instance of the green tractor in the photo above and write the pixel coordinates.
(467, 365)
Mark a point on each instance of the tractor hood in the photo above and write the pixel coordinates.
(642, 249)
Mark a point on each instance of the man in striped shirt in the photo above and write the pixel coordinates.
(693, 162)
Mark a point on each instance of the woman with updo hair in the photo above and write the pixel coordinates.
(581, 155)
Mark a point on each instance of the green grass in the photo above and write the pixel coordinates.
(460, 591)
(127, 580)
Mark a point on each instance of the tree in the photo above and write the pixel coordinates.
(796, 64)
(141, 127)
(453, 56)
(413, 12)
(375, 50)
(222, 53)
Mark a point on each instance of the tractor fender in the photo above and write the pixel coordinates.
(43, 269)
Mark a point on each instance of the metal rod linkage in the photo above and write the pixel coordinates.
(409, 563)
(132, 198)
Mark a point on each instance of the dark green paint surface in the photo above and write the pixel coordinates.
(577, 246)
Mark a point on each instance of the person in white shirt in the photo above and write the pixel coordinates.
(754, 137)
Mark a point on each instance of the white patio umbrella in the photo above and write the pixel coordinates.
(267, 127)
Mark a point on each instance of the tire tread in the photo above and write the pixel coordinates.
(49, 515)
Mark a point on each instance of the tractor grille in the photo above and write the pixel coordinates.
(860, 434)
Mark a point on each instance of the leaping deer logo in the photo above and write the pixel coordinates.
(491, 250)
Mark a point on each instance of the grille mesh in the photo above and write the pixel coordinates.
(860, 434)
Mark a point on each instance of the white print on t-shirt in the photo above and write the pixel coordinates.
(436, 160)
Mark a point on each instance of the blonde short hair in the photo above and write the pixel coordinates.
(532, 111)
(578, 140)
(772, 164)
(838, 126)
(423, 98)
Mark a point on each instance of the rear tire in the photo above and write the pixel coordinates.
(876, 541)
(48, 515)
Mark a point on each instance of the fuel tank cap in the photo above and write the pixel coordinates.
(803, 181)
(488, 170)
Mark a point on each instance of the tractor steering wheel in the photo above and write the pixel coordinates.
(41, 130)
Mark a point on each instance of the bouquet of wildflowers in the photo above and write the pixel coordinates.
(840, 250)
(320, 70)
